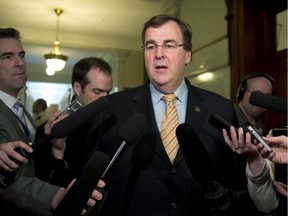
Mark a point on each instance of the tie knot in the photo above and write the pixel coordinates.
(18, 105)
(168, 97)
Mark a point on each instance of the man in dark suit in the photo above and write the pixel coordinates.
(91, 79)
(20, 192)
(167, 187)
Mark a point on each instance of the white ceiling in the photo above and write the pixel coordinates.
(84, 27)
(101, 24)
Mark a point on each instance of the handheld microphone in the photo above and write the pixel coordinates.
(195, 154)
(75, 199)
(201, 167)
(143, 152)
(80, 116)
(141, 158)
(130, 133)
(62, 128)
(220, 123)
(270, 102)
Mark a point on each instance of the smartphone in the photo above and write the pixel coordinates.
(72, 107)
(259, 138)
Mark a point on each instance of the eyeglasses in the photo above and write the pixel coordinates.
(169, 47)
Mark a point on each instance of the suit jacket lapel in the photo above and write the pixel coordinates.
(196, 111)
(195, 114)
(8, 113)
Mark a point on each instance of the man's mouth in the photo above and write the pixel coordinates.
(159, 67)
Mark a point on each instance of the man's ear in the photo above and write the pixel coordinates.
(76, 88)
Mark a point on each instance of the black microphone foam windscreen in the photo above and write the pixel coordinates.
(62, 128)
(133, 128)
(195, 154)
(270, 102)
(75, 199)
(131, 131)
(144, 151)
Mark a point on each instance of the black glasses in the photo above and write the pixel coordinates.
(169, 47)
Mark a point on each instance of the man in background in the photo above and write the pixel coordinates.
(91, 79)
(246, 112)
(39, 109)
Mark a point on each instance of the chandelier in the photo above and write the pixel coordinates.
(54, 60)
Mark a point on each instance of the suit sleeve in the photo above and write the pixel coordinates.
(30, 194)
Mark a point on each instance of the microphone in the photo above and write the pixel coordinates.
(80, 116)
(195, 154)
(201, 167)
(59, 130)
(141, 158)
(144, 151)
(130, 133)
(75, 199)
(62, 128)
(220, 123)
(270, 102)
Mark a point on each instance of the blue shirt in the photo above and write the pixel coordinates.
(180, 102)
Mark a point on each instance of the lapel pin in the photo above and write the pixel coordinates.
(197, 109)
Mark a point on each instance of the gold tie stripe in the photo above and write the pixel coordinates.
(168, 127)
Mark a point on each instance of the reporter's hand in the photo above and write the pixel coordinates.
(96, 195)
(58, 148)
(58, 145)
(56, 117)
(8, 153)
(240, 143)
(279, 145)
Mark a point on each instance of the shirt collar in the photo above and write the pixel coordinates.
(7, 99)
(180, 92)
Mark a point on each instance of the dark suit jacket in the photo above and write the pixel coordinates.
(26, 194)
(164, 189)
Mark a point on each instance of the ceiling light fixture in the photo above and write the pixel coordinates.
(54, 60)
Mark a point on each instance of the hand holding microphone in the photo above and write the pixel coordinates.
(76, 119)
(131, 132)
(63, 127)
(75, 199)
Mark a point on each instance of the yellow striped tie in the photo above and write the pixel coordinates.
(168, 127)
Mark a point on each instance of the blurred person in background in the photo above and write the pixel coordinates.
(39, 109)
